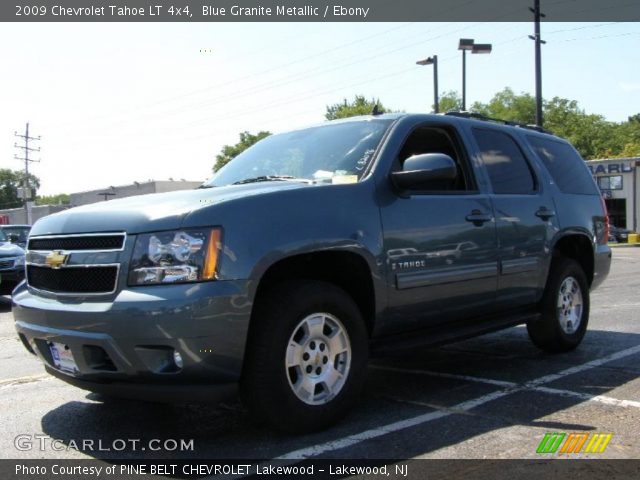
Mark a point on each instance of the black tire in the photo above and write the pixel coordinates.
(547, 332)
(266, 388)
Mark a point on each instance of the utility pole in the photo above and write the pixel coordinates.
(537, 15)
(26, 190)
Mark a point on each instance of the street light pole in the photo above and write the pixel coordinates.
(433, 61)
(464, 80)
(464, 45)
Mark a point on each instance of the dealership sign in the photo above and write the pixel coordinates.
(610, 168)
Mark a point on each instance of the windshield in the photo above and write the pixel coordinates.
(20, 232)
(332, 153)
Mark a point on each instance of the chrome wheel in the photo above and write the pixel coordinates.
(570, 305)
(318, 358)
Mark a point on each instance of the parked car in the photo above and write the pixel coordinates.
(11, 267)
(310, 250)
(17, 234)
(617, 234)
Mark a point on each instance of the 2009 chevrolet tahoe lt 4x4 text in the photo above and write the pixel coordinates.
(311, 249)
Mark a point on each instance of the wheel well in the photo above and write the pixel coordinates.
(347, 270)
(578, 248)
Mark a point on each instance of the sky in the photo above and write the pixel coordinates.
(117, 103)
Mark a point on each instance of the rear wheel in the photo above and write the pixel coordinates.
(564, 308)
(306, 356)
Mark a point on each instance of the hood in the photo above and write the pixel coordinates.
(8, 249)
(153, 212)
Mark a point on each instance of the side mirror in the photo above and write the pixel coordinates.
(434, 171)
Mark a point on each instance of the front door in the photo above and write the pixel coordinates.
(440, 246)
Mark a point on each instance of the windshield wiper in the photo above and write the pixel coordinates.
(272, 178)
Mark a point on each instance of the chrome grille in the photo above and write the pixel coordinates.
(76, 264)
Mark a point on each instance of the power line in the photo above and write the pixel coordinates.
(26, 190)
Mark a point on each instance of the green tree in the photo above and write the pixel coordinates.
(506, 105)
(591, 134)
(359, 106)
(229, 152)
(10, 180)
(450, 102)
(59, 199)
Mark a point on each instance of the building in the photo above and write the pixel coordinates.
(16, 216)
(618, 180)
(137, 188)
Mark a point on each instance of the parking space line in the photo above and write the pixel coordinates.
(356, 438)
(605, 399)
(585, 366)
(452, 376)
(332, 445)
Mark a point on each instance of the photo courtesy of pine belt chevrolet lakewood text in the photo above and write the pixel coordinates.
(308, 252)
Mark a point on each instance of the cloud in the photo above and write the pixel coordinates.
(629, 86)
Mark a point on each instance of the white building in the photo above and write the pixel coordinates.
(137, 188)
(618, 180)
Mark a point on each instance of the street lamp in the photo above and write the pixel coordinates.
(433, 61)
(468, 44)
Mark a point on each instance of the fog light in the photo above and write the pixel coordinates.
(177, 359)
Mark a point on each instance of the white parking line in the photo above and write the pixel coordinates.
(590, 398)
(452, 376)
(490, 381)
(356, 438)
(319, 449)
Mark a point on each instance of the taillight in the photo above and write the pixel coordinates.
(605, 238)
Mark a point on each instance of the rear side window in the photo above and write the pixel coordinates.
(565, 165)
(508, 170)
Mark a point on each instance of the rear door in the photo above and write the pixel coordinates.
(524, 213)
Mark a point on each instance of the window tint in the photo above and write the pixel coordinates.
(565, 165)
(508, 169)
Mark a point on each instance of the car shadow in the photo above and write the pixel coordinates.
(5, 303)
(397, 389)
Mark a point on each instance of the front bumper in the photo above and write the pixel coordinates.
(124, 347)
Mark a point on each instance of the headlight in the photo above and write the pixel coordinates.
(19, 262)
(175, 257)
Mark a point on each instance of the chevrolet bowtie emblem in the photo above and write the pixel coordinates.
(56, 259)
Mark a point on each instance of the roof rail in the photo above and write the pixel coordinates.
(479, 116)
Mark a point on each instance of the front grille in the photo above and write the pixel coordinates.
(4, 264)
(81, 280)
(88, 242)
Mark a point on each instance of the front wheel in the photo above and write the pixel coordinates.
(306, 356)
(564, 308)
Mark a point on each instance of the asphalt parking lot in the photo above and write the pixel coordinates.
(491, 397)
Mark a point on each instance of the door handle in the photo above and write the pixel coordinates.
(544, 213)
(478, 218)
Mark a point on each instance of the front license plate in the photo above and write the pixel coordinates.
(63, 358)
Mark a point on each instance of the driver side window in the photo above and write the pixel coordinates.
(438, 140)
